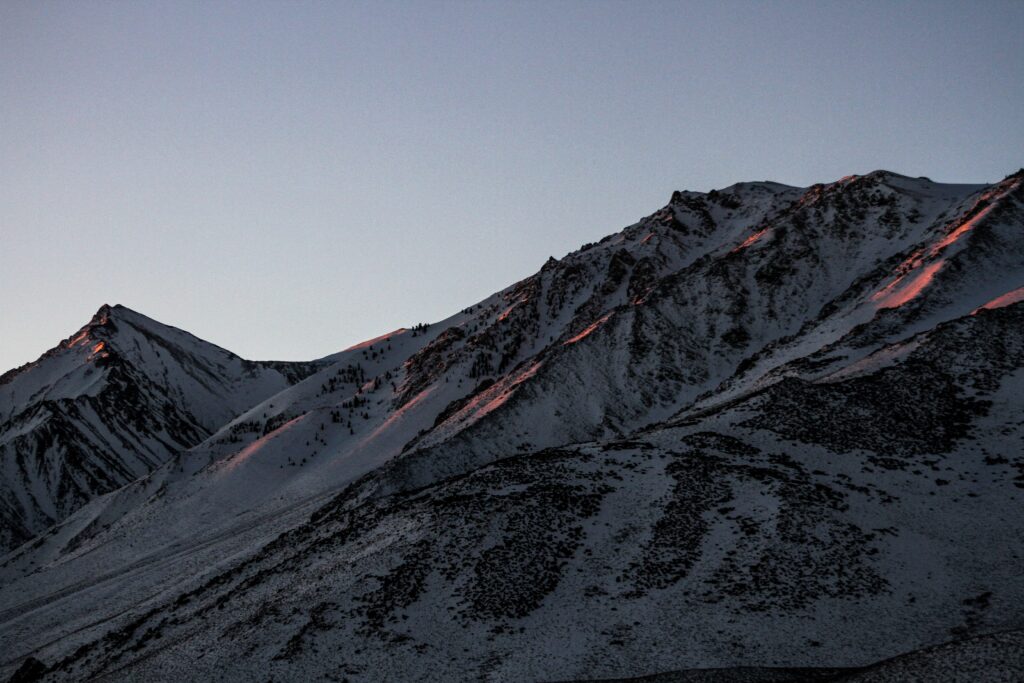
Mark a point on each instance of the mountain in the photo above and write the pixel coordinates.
(108, 405)
(764, 427)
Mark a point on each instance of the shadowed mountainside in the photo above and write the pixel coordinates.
(765, 427)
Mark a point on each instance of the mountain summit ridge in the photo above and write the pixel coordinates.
(107, 405)
(755, 408)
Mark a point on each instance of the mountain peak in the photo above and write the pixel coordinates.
(100, 319)
(768, 187)
(102, 315)
(882, 174)
(117, 311)
(872, 177)
(693, 411)
(109, 404)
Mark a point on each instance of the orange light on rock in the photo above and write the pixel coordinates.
(750, 240)
(894, 298)
(1011, 297)
(588, 329)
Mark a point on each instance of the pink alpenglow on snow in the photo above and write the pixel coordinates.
(508, 311)
(894, 297)
(1010, 297)
(750, 240)
(588, 329)
(382, 338)
(398, 415)
(989, 198)
(495, 397)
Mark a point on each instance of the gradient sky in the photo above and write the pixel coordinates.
(286, 179)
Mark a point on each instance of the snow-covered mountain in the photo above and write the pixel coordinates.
(108, 405)
(763, 427)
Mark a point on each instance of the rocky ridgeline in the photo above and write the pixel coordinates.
(765, 427)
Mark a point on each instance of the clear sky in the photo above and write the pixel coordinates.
(285, 179)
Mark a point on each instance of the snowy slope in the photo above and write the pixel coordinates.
(747, 538)
(110, 404)
(699, 356)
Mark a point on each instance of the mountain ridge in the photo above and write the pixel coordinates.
(753, 409)
(109, 403)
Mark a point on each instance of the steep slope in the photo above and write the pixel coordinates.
(746, 538)
(697, 320)
(108, 405)
(377, 398)
(819, 273)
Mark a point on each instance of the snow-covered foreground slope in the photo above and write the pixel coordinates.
(108, 405)
(765, 426)
(747, 538)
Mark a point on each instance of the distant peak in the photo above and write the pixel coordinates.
(769, 186)
(120, 312)
(107, 312)
(101, 316)
(85, 335)
(880, 175)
